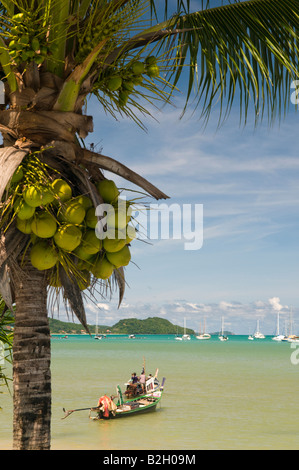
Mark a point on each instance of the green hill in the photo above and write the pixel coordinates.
(152, 325)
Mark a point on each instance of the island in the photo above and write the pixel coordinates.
(151, 325)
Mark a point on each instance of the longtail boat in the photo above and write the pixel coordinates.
(142, 404)
(107, 409)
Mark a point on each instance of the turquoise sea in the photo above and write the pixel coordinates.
(238, 394)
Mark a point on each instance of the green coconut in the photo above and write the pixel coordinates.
(86, 264)
(62, 189)
(91, 219)
(18, 175)
(48, 196)
(72, 212)
(128, 85)
(68, 237)
(43, 256)
(114, 83)
(85, 201)
(22, 209)
(91, 243)
(151, 60)
(35, 197)
(131, 234)
(85, 260)
(119, 218)
(108, 190)
(137, 80)
(153, 71)
(123, 97)
(102, 269)
(114, 244)
(44, 225)
(137, 67)
(81, 253)
(24, 225)
(120, 258)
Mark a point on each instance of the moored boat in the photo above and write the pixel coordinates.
(278, 337)
(203, 335)
(143, 404)
(141, 401)
(223, 337)
(258, 334)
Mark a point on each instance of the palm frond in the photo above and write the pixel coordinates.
(246, 49)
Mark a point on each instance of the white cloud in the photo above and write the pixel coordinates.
(275, 303)
(102, 306)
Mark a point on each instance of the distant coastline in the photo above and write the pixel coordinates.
(128, 326)
(151, 325)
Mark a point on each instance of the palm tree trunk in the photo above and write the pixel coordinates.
(31, 369)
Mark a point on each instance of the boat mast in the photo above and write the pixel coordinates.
(291, 322)
(97, 324)
(277, 325)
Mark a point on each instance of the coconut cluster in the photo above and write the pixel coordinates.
(24, 45)
(122, 82)
(91, 38)
(64, 228)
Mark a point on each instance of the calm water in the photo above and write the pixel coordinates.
(235, 395)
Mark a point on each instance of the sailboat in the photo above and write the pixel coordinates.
(258, 334)
(278, 337)
(222, 337)
(97, 336)
(177, 337)
(203, 335)
(185, 336)
(291, 338)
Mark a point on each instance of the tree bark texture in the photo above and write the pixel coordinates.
(31, 365)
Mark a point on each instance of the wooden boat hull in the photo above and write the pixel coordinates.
(136, 406)
(138, 411)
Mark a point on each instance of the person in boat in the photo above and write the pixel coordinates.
(132, 386)
(142, 380)
(106, 406)
(134, 378)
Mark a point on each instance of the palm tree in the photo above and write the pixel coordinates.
(53, 55)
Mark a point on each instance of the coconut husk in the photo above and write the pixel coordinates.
(11, 245)
(10, 159)
(5, 286)
(44, 126)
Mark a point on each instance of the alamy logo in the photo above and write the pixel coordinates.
(295, 94)
(153, 222)
(295, 354)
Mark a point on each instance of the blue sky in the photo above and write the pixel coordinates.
(247, 181)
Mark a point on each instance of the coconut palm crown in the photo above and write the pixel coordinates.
(129, 54)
